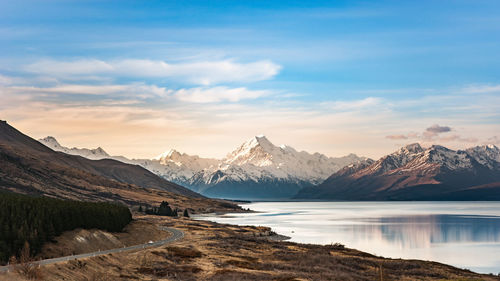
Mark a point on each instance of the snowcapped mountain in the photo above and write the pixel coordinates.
(286, 162)
(487, 155)
(173, 166)
(415, 173)
(94, 154)
(257, 169)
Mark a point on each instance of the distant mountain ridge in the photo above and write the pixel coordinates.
(415, 173)
(257, 169)
(93, 154)
(27, 166)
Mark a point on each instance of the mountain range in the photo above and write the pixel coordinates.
(416, 173)
(29, 167)
(257, 169)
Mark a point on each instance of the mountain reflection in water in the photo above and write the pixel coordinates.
(463, 234)
(424, 230)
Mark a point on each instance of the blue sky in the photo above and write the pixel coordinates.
(203, 76)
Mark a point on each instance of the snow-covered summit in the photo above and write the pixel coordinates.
(50, 140)
(488, 155)
(257, 151)
(167, 154)
(259, 158)
(94, 154)
(415, 158)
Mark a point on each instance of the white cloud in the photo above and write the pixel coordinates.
(481, 89)
(218, 94)
(397, 137)
(366, 103)
(4, 80)
(139, 90)
(201, 73)
(175, 118)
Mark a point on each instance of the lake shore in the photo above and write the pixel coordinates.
(463, 234)
(214, 251)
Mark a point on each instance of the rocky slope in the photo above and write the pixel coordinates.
(415, 173)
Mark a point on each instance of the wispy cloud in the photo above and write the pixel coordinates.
(458, 139)
(139, 91)
(218, 94)
(104, 115)
(494, 140)
(481, 89)
(199, 72)
(432, 134)
(359, 104)
(397, 137)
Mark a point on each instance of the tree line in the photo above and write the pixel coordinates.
(37, 220)
(163, 210)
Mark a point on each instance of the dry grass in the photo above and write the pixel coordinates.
(213, 251)
(81, 241)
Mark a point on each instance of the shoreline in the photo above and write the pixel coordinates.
(218, 251)
(281, 237)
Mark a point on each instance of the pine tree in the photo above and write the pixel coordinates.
(28, 222)
(164, 209)
(186, 213)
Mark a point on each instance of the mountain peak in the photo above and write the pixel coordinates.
(93, 154)
(413, 148)
(491, 146)
(256, 147)
(439, 147)
(50, 140)
(258, 139)
(262, 141)
(168, 154)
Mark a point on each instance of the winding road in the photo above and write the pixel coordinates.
(176, 235)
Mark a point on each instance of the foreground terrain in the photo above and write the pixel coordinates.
(211, 251)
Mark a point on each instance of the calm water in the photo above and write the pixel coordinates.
(463, 234)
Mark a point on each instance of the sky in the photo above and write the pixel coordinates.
(138, 78)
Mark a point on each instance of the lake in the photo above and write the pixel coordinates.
(463, 234)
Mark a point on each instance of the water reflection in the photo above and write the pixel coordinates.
(424, 230)
(464, 234)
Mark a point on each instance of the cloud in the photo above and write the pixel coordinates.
(481, 89)
(458, 139)
(365, 103)
(201, 72)
(154, 118)
(428, 134)
(432, 135)
(397, 137)
(141, 91)
(436, 129)
(63, 93)
(218, 94)
(494, 140)
(4, 80)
